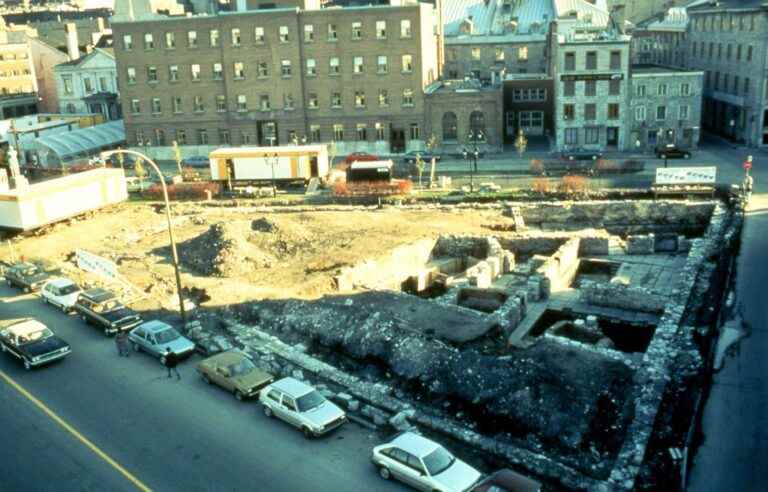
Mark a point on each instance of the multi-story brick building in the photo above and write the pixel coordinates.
(354, 75)
(662, 39)
(18, 85)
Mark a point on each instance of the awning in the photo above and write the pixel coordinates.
(85, 140)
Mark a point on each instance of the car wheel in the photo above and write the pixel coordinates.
(267, 411)
(385, 473)
(27, 365)
(162, 359)
(686, 156)
(85, 319)
(136, 347)
(307, 433)
(106, 332)
(26, 290)
(9, 283)
(238, 395)
(44, 299)
(206, 378)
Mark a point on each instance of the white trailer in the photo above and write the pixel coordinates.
(261, 164)
(57, 199)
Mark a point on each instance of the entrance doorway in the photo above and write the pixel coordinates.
(532, 122)
(612, 136)
(397, 140)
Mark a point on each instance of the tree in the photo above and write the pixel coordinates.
(521, 143)
(141, 173)
(177, 155)
(419, 166)
(333, 151)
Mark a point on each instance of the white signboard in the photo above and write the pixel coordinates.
(686, 175)
(96, 264)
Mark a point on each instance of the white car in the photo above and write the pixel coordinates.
(60, 292)
(423, 464)
(302, 406)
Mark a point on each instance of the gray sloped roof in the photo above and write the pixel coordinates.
(84, 140)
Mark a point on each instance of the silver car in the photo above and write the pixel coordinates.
(423, 464)
(302, 406)
(154, 337)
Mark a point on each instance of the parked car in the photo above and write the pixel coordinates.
(360, 157)
(507, 481)
(201, 161)
(410, 157)
(672, 151)
(26, 276)
(423, 464)
(581, 155)
(61, 292)
(154, 337)
(302, 406)
(33, 343)
(102, 308)
(235, 372)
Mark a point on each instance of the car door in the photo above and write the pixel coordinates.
(54, 295)
(273, 399)
(150, 342)
(223, 379)
(417, 474)
(399, 465)
(290, 411)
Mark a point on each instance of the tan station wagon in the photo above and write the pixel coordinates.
(234, 371)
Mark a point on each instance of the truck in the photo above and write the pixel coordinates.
(257, 165)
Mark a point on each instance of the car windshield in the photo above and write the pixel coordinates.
(243, 367)
(68, 289)
(34, 336)
(438, 461)
(111, 305)
(166, 336)
(30, 271)
(309, 401)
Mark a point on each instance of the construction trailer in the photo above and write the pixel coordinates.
(370, 171)
(31, 206)
(237, 166)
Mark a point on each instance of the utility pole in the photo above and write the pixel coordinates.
(15, 134)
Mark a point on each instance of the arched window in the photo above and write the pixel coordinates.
(450, 126)
(477, 126)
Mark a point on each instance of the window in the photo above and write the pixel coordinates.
(357, 30)
(717, 81)
(499, 54)
(382, 64)
(614, 87)
(283, 31)
(173, 73)
(738, 52)
(338, 132)
(450, 127)
(613, 111)
(135, 106)
(571, 136)
(221, 103)
(359, 99)
(335, 99)
(176, 105)
(640, 113)
(662, 90)
(88, 86)
(151, 75)
(683, 112)
(380, 131)
(685, 89)
(333, 34)
(156, 108)
(224, 137)
(285, 68)
(309, 33)
(149, 41)
(170, 40)
(192, 39)
(242, 102)
(67, 82)
(615, 60)
(569, 111)
(661, 112)
(591, 136)
(728, 52)
(197, 104)
(381, 29)
(591, 62)
(334, 66)
(475, 53)
(288, 103)
(590, 111)
(719, 51)
(236, 40)
(362, 132)
(383, 97)
(314, 133)
(159, 137)
(711, 48)
(415, 132)
(258, 35)
(238, 69)
(218, 71)
(746, 86)
(726, 77)
(357, 64)
(130, 76)
(264, 104)
(569, 88)
(408, 97)
(405, 28)
(590, 87)
(139, 137)
(522, 54)
(202, 137)
(749, 53)
(311, 67)
(407, 63)
(195, 70)
(181, 137)
(312, 100)
(570, 61)
(262, 70)
(127, 42)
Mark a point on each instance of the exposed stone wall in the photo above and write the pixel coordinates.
(560, 268)
(622, 296)
(641, 244)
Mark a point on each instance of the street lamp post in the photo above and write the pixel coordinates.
(174, 255)
(272, 160)
(472, 156)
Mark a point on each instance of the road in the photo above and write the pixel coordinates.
(734, 453)
(171, 435)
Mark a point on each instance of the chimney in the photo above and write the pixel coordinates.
(73, 49)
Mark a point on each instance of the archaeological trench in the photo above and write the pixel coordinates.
(571, 345)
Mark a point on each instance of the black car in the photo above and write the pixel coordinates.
(410, 157)
(103, 309)
(33, 343)
(672, 151)
(581, 155)
(26, 276)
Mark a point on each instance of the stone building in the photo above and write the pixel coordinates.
(355, 76)
(89, 85)
(18, 84)
(665, 107)
(529, 105)
(662, 39)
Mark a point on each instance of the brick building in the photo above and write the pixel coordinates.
(662, 39)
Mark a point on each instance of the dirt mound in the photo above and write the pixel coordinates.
(281, 238)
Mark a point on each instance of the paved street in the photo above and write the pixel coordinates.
(170, 435)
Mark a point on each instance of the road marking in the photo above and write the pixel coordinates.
(101, 454)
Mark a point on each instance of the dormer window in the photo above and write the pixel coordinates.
(467, 26)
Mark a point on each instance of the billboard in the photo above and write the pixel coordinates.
(686, 175)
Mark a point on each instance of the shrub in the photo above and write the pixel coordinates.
(183, 191)
(404, 186)
(540, 185)
(537, 167)
(606, 166)
(372, 188)
(340, 188)
(574, 184)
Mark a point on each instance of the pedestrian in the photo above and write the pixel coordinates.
(171, 360)
(119, 344)
(123, 345)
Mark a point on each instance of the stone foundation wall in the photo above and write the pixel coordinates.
(622, 296)
(560, 268)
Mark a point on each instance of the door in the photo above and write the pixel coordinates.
(313, 171)
(612, 136)
(509, 127)
(532, 122)
(220, 377)
(397, 140)
(290, 412)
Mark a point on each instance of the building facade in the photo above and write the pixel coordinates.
(662, 39)
(89, 85)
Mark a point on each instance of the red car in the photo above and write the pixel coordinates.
(506, 481)
(360, 157)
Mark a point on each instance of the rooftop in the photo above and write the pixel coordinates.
(727, 5)
(469, 18)
(650, 69)
(292, 386)
(415, 444)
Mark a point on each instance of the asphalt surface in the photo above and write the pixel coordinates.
(170, 435)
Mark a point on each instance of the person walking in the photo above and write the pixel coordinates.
(121, 340)
(171, 360)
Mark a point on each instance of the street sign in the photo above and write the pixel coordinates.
(96, 264)
(686, 175)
